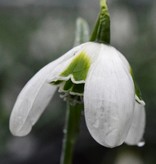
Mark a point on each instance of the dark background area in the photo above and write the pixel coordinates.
(35, 32)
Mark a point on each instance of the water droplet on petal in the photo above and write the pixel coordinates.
(141, 143)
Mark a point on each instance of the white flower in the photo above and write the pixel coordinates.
(94, 74)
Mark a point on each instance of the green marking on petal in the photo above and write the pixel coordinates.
(137, 89)
(78, 68)
(57, 82)
(70, 87)
(71, 80)
(78, 88)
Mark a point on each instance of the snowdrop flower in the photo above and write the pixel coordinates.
(97, 75)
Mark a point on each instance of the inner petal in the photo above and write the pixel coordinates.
(71, 80)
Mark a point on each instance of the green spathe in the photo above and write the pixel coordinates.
(101, 32)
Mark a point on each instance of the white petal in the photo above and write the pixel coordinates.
(124, 61)
(34, 97)
(108, 99)
(139, 100)
(136, 131)
(138, 124)
(30, 103)
(90, 49)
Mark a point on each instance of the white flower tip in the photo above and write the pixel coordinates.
(139, 100)
(19, 133)
(110, 140)
(137, 128)
(19, 124)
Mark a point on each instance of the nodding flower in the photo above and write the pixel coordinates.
(96, 75)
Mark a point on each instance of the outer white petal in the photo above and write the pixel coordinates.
(136, 131)
(90, 49)
(124, 60)
(138, 125)
(35, 96)
(108, 99)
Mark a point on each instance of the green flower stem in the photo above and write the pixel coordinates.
(101, 32)
(71, 131)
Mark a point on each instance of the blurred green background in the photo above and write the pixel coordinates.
(35, 32)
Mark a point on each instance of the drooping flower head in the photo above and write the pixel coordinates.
(96, 75)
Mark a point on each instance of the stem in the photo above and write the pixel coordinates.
(71, 131)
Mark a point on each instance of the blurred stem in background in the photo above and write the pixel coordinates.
(73, 113)
(82, 32)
